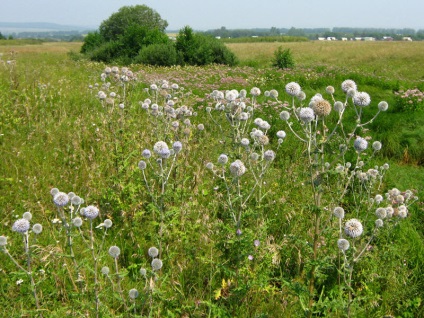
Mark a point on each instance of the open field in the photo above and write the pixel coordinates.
(242, 210)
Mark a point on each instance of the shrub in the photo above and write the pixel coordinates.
(92, 41)
(283, 58)
(199, 49)
(163, 54)
(107, 52)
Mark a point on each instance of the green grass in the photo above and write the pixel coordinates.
(54, 132)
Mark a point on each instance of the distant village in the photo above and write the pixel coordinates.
(365, 38)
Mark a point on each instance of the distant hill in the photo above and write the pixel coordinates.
(17, 27)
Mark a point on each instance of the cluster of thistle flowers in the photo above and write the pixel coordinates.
(22, 226)
(394, 205)
(120, 78)
(162, 151)
(234, 105)
(366, 177)
(156, 264)
(319, 108)
(72, 202)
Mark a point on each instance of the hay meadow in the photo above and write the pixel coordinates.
(134, 191)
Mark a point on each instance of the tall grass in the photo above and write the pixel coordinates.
(56, 133)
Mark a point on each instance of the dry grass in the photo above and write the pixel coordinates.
(399, 59)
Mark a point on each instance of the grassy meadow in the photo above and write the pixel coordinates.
(166, 196)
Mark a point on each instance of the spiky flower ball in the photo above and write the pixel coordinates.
(107, 223)
(360, 144)
(383, 106)
(237, 168)
(322, 108)
(293, 89)
(353, 228)
(105, 270)
(142, 165)
(177, 146)
(114, 251)
(381, 213)
(361, 99)
(77, 222)
(379, 223)
(91, 212)
(343, 244)
(338, 107)
(285, 115)
(273, 93)
(255, 91)
(61, 199)
(306, 114)
(330, 89)
(222, 159)
(133, 293)
(156, 264)
(376, 145)
(244, 142)
(269, 155)
(37, 228)
(153, 252)
(339, 212)
(21, 226)
(348, 85)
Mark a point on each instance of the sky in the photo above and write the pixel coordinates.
(233, 14)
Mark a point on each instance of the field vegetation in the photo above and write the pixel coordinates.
(212, 191)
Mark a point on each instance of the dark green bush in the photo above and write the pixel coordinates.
(283, 58)
(107, 52)
(92, 41)
(199, 49)
(163, 54)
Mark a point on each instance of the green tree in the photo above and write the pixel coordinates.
(139, 15)
(283, 58)
(2, 37)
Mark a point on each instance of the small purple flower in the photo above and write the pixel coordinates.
(250, 257)
(256, 243)
(238, 232)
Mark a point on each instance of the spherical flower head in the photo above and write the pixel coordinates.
(77, 222)
(107, 223)
(209, 165)
(378, 198)
(156, 264)
(21, 226)
(285, 115)
(269, 155)
(153, 252)
(159, 147)
(243, 93)
(200, 127)
(293, 89)
(3, 240)
(353, 228)
(390, 211)
(330, 89)
(61, 199)
(146, 153)
(383, 106)
(338, 107)
(361, 99)
(133, 293)
(316, 98)
(379, 223)
(306, 114)
(230, 96)
(264, 125)
(222, 159)
(347, 85)
(143, 271)
(255, 91)
(237, 168)
(91, 212)
(27, 216)
(244, 142)
(54, 191)
(37, 228)
(360, 144)
(322, 108)
(381, 213)
(343, 244)
(254, 156)
(263, 140)
(267, 94)
(339, 212)
(105, 270)
(376, 145)
(281, 134)
(142, 165)
(256, 243)
(114, 251)
(273, 93)
(177, 146)
(153, 87)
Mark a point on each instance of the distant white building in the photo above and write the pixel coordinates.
(358, 39)
(321, 39)
(369, 38)
(344, 39)
(331, 38)
(406, 38)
